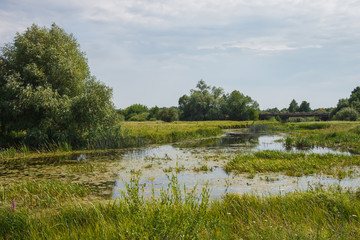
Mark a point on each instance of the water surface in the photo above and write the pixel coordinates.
(199, 163)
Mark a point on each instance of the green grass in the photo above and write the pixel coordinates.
(160, 132)
(182, 214)
(293, 164)
(338, 135)
(44, 193)
(203, 168)
(134, 134)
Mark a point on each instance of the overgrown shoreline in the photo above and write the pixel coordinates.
(133, 134)
(344, 136)
(314, 214)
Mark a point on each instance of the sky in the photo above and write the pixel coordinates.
(153, 52)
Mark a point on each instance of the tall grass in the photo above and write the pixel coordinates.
(181, 214)
(111, 138)
(45, 193)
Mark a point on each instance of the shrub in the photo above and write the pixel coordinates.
(169, 114)
(347, 114)
(139, 117)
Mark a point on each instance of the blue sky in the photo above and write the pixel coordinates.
(152, 52)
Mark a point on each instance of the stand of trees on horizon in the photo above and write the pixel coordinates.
(203, 103)
(211, 103)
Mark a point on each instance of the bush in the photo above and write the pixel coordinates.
(139, 117)
(169, 114)
(347, 114)
(133, 111)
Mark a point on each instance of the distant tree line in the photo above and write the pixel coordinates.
(347, 109)
(203, 103)
(139, 112)
(212, 103)
(293, 108)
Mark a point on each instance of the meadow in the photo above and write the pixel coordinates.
(65, 201)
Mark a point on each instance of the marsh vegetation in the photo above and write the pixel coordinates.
(218, 180)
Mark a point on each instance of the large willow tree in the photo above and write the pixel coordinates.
(47, 93)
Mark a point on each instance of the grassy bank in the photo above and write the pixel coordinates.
(338, 135)
(161, 132)
(133, 134)
(294, 164)
(316, 214)
(341, 135)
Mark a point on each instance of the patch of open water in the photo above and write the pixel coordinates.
(200, 164)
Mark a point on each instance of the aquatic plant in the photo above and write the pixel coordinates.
(203, 168)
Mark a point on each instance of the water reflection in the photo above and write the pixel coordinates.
(253, 141)
(158, 163)
(220, 183)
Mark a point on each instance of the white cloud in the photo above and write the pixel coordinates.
(183, 12)
(263, 44)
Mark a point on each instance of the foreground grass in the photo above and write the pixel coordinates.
(316, 214)
(41, 194)
(294, 164)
